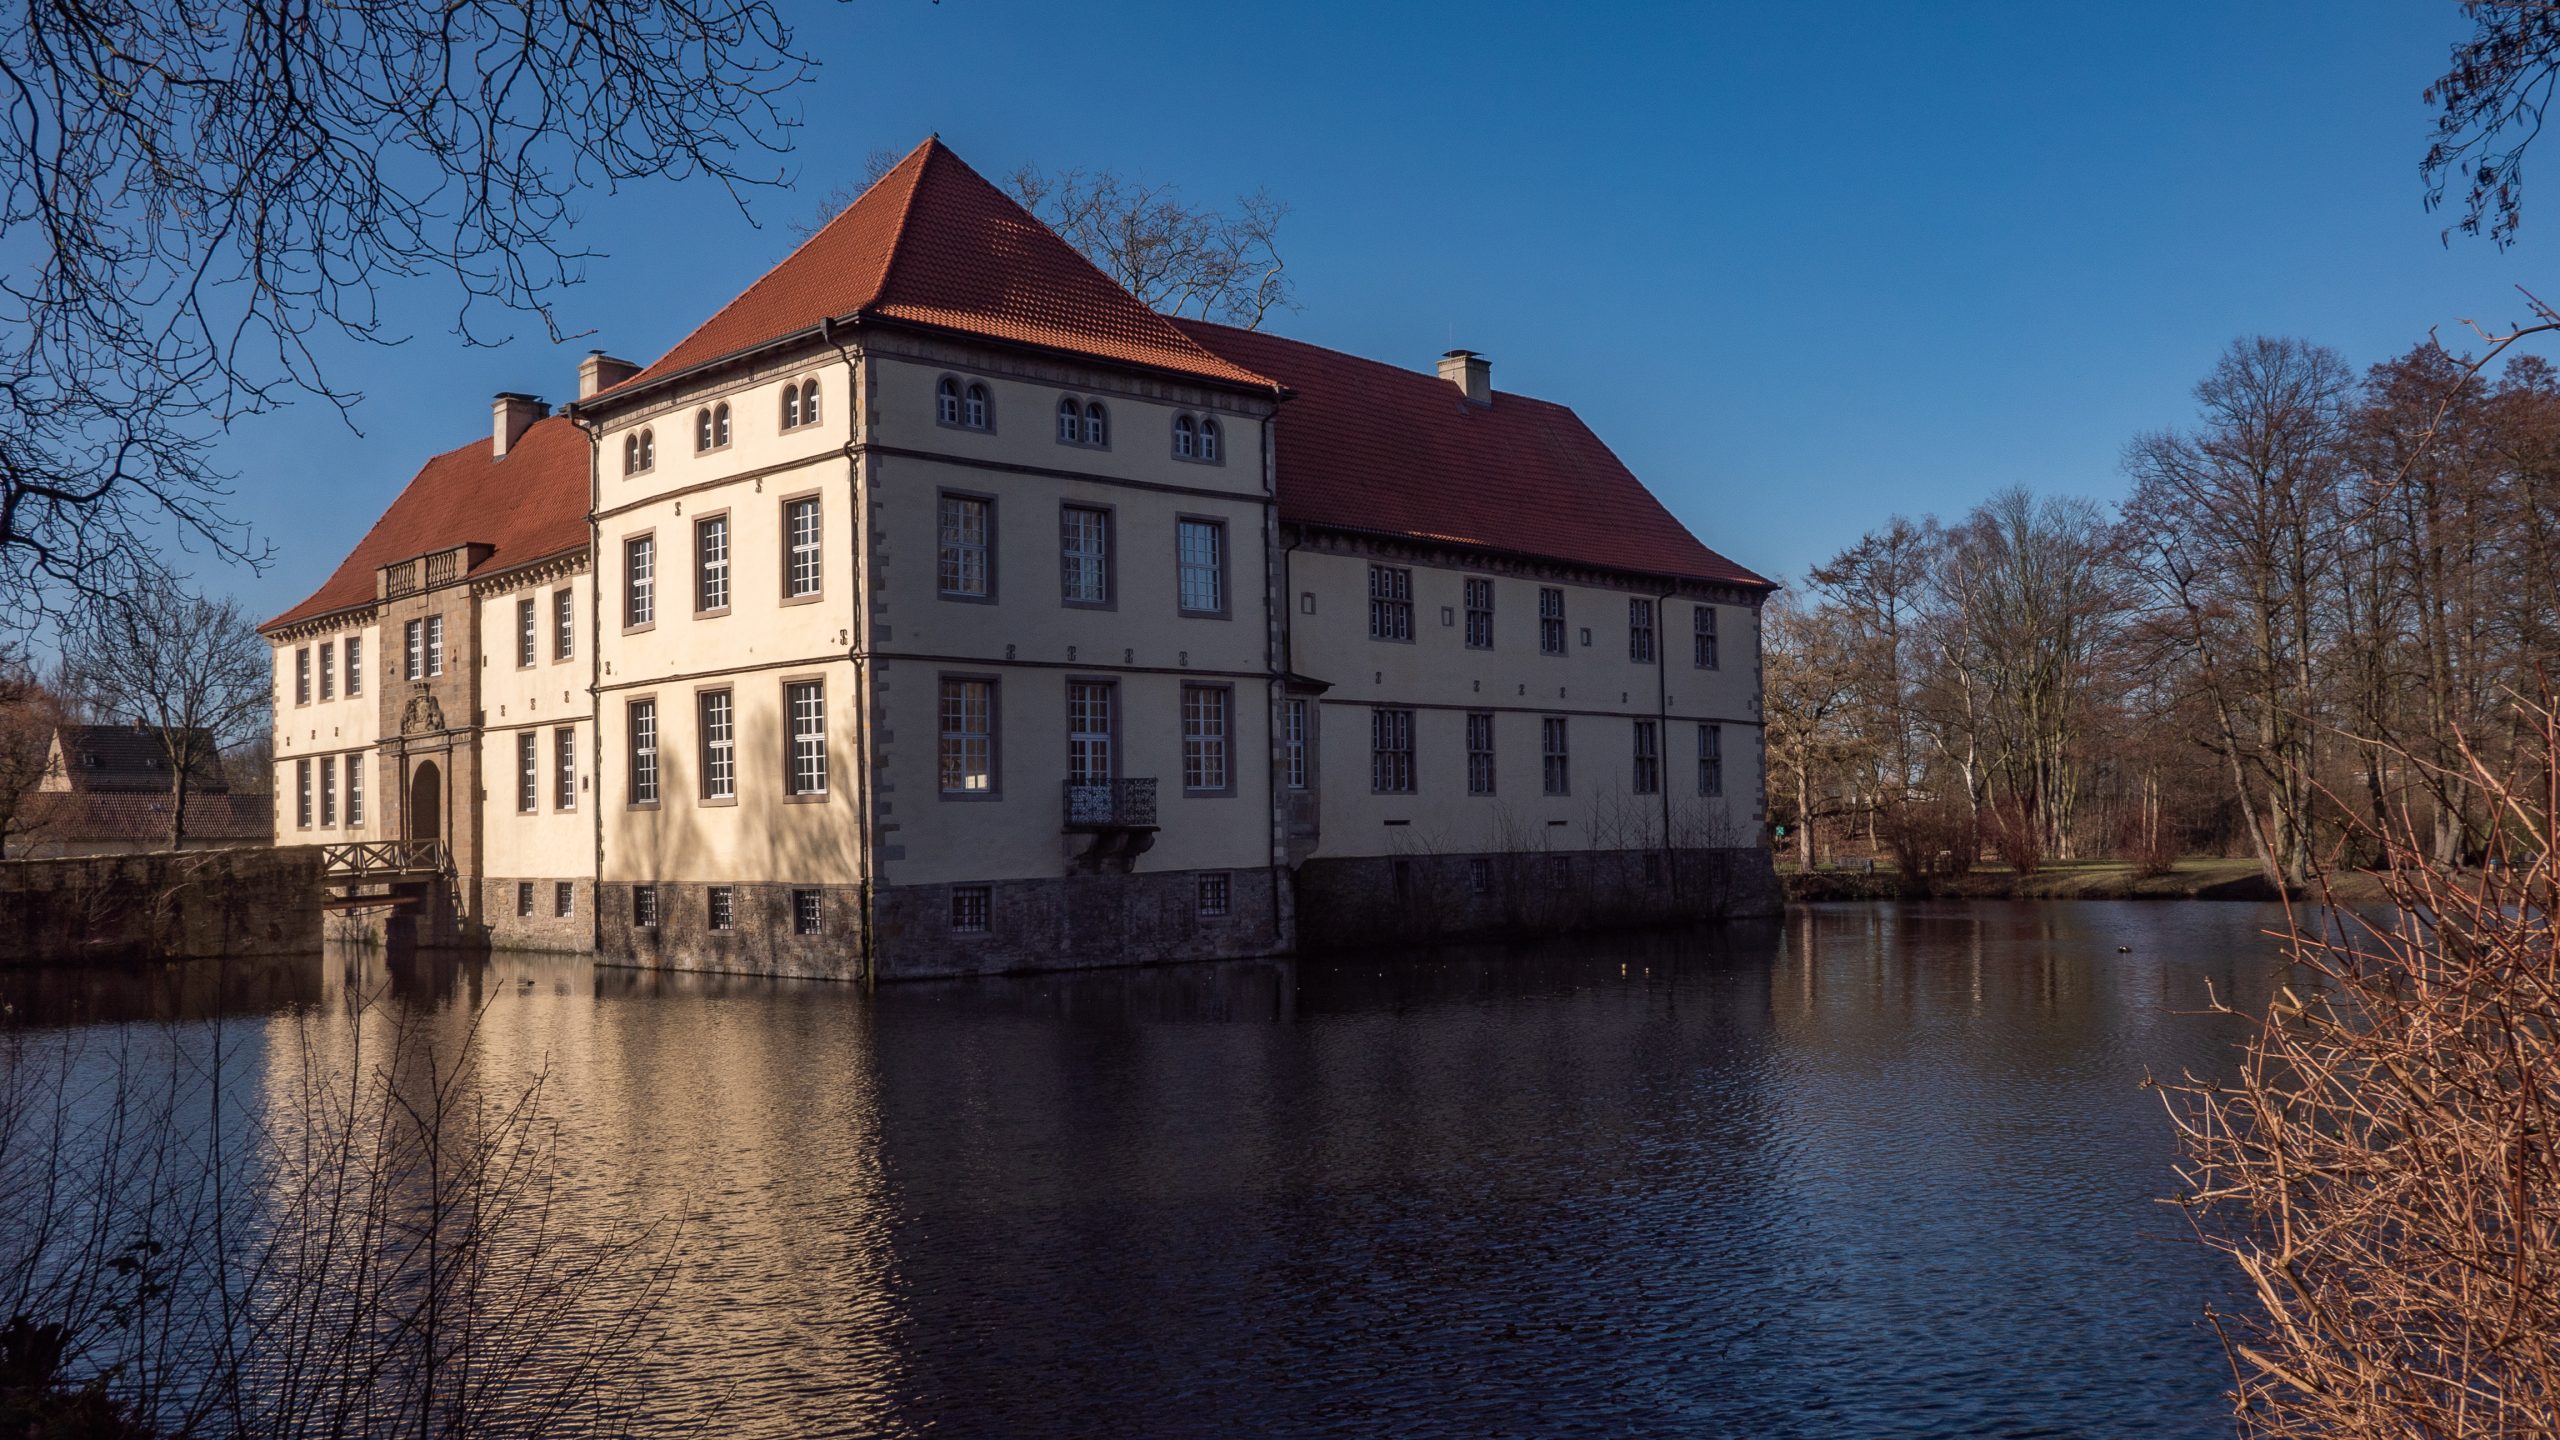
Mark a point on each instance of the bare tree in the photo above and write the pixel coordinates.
(2489, 107)
(200, 196)
(1810, 686)
(2231, 530)
(191, 670)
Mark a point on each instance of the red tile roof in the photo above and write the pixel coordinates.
(141, 822)
(1374, 447)
(530, 504)
(932, 243)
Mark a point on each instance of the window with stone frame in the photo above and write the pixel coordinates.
(1391, 750)
(564, 623)
(640, 581)
(721, 906)
(966, 524)
(1640, 631)
(643, 717)
(972, 909)
(967, 738)
(804, 706)
(528, 639)
(1205, 710)
(711, 564)
(1550, 620)
(1479, 597)
(1480, 753)
(528, 772)
(808, 912)
(564, 768)
(1702, 637)
(717, 713)
(1711, 760)
(804, 554)
(1647, 769)
(328, 669)
(355, 665)
(1084, 555)
(1390, 602)
(1555, 755)
(1201, 560)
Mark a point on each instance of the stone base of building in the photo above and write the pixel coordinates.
(529, 914)
(1079, 921)
(1408, 899)
(766, 935)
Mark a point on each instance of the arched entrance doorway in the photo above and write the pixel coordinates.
(426, 802)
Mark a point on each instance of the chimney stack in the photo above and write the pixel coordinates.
(600, 371)
(1471, 373)
(510, 415)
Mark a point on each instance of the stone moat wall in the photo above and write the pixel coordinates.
(1419, 898)
(176, 905)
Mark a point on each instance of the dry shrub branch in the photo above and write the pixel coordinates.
(2382, 1170)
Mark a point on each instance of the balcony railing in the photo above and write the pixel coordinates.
(1111, 804)
(381, 859)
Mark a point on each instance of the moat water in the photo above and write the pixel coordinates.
(1880, 1170)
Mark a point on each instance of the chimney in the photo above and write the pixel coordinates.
(600, 371)
(1471, 373)
(510, 415)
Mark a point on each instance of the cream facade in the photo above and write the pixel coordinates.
(940, 632)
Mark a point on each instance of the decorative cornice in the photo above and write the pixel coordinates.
(312, 627)
(532, 572)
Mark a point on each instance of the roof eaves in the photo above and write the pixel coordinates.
(1508, 553)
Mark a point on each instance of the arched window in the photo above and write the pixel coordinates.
(1183, 433)
(720, 424)
(701, 430)
(648, 449)
(946, 401)
(791, 407)
(1208, 439)
(981, 415)
(1097, 425)
(1070, 422)
(631, 455)
(808, 402)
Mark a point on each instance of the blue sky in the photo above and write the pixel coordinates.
(1803, 266)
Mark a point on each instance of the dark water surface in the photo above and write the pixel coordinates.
(1885, 1170)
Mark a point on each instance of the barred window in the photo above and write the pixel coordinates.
(1640, 631)
(355, 664)
(1293, 742)
(807, 913)
(1648, 758)
(711, 563)
(564, 768)
(970, 905)
(1084, 555)
(644, 907)
(1555, 759)
(528, 772)
(800, 526)
(524, 899)
(1711, 760)
(644, 752)
(964, 546)
(1479, 613)
(1204, 737)
(564, 898)
(968, 737)
(1202, 546)
(1390, 603)
(1391, 751)
(564, 623)
(1550, 620)
(719, 746)
(1703, 638)
(722, 903)
(1479, 875)
(805, 702)
(1217, 896)
(527, 641)
(1480, 753)
(640, 580)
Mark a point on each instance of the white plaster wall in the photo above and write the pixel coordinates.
(1596, 686)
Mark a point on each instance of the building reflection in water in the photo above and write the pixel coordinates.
(1830, 1177)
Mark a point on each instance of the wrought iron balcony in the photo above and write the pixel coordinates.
(1111, 805)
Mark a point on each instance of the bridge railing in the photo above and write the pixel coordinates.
(359, 859)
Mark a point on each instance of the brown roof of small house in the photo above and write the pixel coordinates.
(1367, 446)
(102, 758)
(75, 818)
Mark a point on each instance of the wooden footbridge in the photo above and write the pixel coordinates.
(406, 866)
